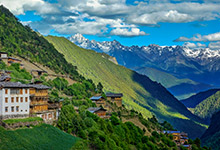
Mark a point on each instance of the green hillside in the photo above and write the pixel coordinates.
(211, 137)
(180, 88)
(208, 107)
(139, 91)
(43, 137)
(194, 100)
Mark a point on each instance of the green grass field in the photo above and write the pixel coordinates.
(43, 137)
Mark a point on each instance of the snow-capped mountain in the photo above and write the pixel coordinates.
(197, 64)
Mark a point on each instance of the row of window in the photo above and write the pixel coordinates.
(17, 99)
(13, 109)
(16, 91)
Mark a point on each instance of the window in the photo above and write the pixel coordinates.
(12, 99)
(26, 99)
(6, 109)
(14, 91)
(26, 91)
(17, 99)
(12, 109)
(21, 91)
(21, 110)
(6, 91)
(21, 99)
(17, 108)
(6, 100)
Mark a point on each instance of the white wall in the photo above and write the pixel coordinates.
(23, 106)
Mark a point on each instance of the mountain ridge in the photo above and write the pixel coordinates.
(140, 93)
(178, 61)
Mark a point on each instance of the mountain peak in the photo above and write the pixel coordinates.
(78, 38)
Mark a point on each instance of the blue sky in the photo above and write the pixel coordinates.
(195, 24)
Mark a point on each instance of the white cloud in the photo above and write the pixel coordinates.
(194, 45)
(127, 32)
(200, 38)
(214, 45)
(114, 16)
(190, 45)
(19, 7)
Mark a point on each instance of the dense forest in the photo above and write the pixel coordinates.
(209, 106)
(26, 43)
(211, 137)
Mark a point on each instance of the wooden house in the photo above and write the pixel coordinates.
(115, 98)
(37, 73)
(101, 112)
(39, 98)
(12, 60)
(176, 135)
(98, 100)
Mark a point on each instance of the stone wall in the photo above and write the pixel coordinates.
(20, 124)
(14, 116)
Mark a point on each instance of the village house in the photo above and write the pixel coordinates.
(10, 60)
(39, 103)
(176, 135)
(14, 100)
(37, 73)
(115, 98)
(180, 138)
(98, 100)
(101, 112)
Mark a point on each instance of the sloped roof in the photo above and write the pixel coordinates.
(95, 109)
(13, 85)
(39, 86)
(4, 77)
(95, 98)
(114, 94)
(170, 132)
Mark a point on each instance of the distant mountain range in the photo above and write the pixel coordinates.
(140, 93)
(200, 65)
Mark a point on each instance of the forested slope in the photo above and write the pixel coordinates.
(140, 93)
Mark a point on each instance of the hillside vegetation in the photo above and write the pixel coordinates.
(181, 88)
(44, 137)
(140, 93)
(194, 100)
(208, 107)
(211, 137)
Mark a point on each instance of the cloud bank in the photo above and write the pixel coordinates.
(115, 17)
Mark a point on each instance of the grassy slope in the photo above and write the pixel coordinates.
(181, 88)
(135, 87)
(164, 78)
(43, 137)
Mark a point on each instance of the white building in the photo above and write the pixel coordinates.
(14, 100)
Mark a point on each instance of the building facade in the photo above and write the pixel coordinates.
(115, 98)
(14, 100)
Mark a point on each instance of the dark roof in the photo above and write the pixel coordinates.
(95, 98)
(13, 85)
(14, 58)
(114, 94)
(3, 53)
(4, 77)
(39, 71)
(95, 109)
(170, 132)
(39, 86)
